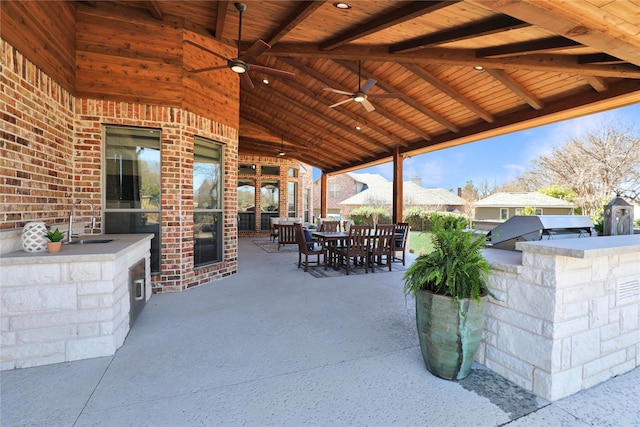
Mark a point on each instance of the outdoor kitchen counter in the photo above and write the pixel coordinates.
(76, 304)
(584, 247)
(77, 252)
(565, 316)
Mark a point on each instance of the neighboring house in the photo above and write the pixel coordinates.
(381, 195)
(341, 187)
(499, 207)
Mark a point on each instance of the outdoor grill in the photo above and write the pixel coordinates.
(540, 227)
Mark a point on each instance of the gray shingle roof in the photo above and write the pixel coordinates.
(414, 195)
(521, 200)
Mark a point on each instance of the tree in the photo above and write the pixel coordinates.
(595, 166)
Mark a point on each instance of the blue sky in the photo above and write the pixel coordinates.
(499, 159)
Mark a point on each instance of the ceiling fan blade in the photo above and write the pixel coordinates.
(385, 95)
(341, 102)
(367, 105)
(206, 49)
(257, 49)
(338, 91)
(272, 71)
(245, 81)
(202, 70)
(368, 85)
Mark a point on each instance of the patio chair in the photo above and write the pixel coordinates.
(308, 248)
(380, 246)
(286, 234)
(400, 243)
(355, 249)
(330, 226)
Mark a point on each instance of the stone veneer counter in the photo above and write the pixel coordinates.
(71, 305)
(567, 313)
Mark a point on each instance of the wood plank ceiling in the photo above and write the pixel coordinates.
(540, 61)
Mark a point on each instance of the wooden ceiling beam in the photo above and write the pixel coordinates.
(387, 87)
(573, 21)
(597, 83)
(303, 125)
(254, 145)
(544, 63)
(516, 88)
(527, 48)
(599, 58)
(449, 91)
(221, 18)
(489, 26)
(302, 12)
(154, 8)
(386, 19)
(322, 153)
(331, 122)
(331, 83)
(325, 101)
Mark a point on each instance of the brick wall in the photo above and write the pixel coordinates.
(51, 154)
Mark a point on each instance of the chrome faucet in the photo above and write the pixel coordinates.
(70, 234)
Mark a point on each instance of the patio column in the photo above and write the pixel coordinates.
(323, 195)
(397, 186)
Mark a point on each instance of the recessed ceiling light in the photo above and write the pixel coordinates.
(342, 5)
(358, 128)
(478, 68)
(265, 81)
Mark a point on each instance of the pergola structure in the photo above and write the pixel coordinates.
(446, 72)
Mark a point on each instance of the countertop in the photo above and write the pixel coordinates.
(585, 247)
(77, 252)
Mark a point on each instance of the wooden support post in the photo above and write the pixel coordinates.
(397, 186)
(323, 196)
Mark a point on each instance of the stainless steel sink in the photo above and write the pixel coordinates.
(90, 241)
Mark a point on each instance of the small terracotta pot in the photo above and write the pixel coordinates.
(54, 247)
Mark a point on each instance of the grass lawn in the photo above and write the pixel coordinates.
(420, 242)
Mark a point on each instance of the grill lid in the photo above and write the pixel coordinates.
(540, 227)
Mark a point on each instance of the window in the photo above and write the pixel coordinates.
(246, 169)
(504, 213)
(246, 204)
(334, 191)
(132, 184)
(269, 202)
(293, 172)
(270, 170)
(292, 199)
(306, 203)
(207, 202)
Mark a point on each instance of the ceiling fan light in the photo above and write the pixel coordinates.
(238, 67)
(359, 97)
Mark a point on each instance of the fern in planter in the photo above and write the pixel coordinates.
(456, 266)
(445, 284)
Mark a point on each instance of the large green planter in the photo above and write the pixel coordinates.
(449, 336)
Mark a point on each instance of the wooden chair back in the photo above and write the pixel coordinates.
(330, 226)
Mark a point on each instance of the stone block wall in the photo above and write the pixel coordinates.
(563, 324)
(54, 311)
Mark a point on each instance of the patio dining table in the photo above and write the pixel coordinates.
(330, 239)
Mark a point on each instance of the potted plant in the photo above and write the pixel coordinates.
(450, 288)
(55, 243)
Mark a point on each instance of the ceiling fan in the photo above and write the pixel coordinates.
(282, 152)
(361, 95)
(242, 64)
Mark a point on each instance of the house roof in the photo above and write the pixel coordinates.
(540, 61)
(370, 179)
(414, 195)
(521, 200)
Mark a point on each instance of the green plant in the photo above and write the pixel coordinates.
(455, 267)
(55, 236)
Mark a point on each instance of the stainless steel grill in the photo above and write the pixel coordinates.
(540, 227)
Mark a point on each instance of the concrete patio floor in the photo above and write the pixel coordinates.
(275, 346)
